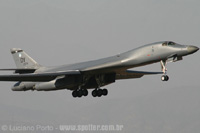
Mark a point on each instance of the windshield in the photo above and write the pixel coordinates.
(171, 43)
(168, 43)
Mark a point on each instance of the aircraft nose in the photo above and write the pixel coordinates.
(192, 49)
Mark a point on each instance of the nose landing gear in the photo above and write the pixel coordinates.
(164, 77)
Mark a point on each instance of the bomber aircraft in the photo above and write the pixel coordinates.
(94, 74)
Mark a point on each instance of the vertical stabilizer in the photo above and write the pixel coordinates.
(23, 60)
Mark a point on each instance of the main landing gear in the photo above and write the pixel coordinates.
(164, 69)
(99, 92)
(95, 93)
(80, 93)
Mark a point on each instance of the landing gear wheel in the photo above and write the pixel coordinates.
(80, 93)
(99, 92)
(75, 94)
(165, 78)
(94, 93)
(105, 92)
(85, 92)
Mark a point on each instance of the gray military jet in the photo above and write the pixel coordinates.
(95, 74)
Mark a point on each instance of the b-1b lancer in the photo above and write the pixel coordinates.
(95, 74)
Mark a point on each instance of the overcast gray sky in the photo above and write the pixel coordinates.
(56, 32)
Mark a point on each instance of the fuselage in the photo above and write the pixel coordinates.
(144, 55)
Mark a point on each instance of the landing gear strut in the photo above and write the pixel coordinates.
(164, 69)
(98, 92)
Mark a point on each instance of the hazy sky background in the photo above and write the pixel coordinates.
(56, 32)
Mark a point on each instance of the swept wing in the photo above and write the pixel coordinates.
(37, 77)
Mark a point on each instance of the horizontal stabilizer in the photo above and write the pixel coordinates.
(20, 71)
(37, 77)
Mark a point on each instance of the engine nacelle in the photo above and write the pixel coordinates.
(45, 86)
(23, 86)
(58, 84)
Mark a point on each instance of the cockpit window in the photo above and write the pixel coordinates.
(168, 44)
(171, 43)
(164, 44)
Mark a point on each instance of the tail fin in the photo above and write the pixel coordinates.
(23, 60)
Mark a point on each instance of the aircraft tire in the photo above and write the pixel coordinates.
(165, 78)
(80, 93)
(100, 92)
(85, 92)
(74, 94)
(94, 93)
(105, 92)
